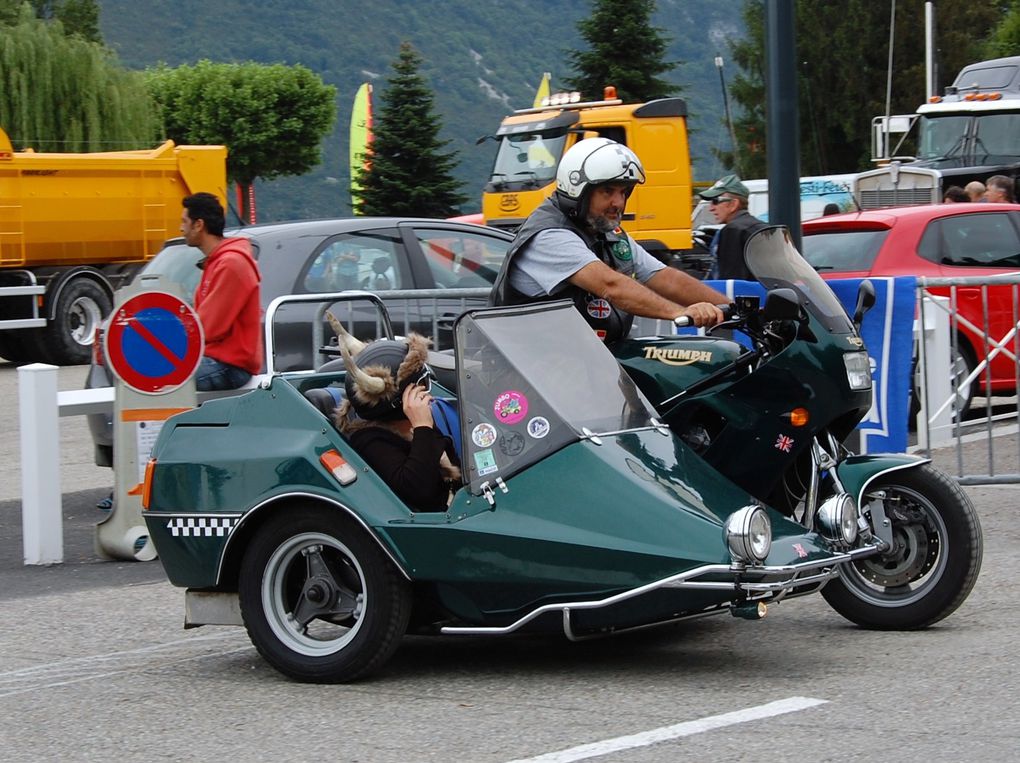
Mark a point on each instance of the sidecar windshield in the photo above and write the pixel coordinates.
(531, 379)
(775, 262)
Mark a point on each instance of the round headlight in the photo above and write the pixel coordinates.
(749, 534)
(837, 519)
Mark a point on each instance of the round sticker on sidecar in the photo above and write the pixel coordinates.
(510, 407)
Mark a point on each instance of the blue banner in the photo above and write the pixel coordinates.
(888, 336)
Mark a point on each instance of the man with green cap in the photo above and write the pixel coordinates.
(728, 199)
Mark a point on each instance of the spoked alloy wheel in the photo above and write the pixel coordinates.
(934, 561)
(320, 600)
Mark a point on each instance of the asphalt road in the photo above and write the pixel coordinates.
(94, 665)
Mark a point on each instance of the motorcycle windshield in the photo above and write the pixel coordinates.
(531, 380)
(776, 263)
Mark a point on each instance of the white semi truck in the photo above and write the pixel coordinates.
(971, 132)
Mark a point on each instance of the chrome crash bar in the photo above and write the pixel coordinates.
(826, 569)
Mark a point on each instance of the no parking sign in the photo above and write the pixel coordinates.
(154, 342)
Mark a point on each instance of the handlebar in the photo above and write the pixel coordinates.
(684, 321)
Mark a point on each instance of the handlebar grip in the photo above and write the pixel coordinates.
(684, 321)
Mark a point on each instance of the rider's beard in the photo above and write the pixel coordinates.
(603, 224)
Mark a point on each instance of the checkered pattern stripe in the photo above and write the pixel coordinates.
(206, 527)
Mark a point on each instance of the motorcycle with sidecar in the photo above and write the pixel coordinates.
(595, 499)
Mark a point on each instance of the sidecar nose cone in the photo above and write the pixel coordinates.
(748, 535)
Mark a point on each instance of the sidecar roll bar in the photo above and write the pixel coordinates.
(793, 576)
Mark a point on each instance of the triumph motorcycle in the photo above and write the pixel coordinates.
(696, 476)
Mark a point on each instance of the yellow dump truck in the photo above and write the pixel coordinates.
(75, 227)
(531, 142)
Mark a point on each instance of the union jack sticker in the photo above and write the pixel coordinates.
(784, 443)
(800, 550)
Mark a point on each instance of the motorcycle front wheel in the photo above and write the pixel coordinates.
(934, 561)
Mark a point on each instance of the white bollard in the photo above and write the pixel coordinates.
(42, 523)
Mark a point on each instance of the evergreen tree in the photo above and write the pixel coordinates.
(408, 175)
(1005, 38)
(272, 118)
(60, 93)
(626, 51)
(843, 50)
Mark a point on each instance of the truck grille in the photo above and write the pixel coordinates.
(898, 197)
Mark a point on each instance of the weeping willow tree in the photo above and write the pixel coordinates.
(64, 93)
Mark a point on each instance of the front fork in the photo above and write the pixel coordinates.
(872, 519)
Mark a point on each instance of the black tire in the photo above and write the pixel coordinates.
(935, 562)
(81, 308)
(321, 601)
(12, 346)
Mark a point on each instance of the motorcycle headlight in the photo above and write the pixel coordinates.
(837, 519)
(858, 370)
(748, 534)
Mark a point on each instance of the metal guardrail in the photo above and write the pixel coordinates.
(984, 440)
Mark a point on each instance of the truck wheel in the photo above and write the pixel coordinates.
(81, 308)
(12, 347)
(320, 600)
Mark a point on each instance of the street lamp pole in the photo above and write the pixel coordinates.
(726, 108)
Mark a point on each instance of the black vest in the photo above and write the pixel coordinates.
(609, 322)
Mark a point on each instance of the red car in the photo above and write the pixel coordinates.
(940, 240)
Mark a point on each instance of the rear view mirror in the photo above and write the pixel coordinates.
(865, 301)
(782, 305)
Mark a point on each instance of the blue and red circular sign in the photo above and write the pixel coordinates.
(154, 342)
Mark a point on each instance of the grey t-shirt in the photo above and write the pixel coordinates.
(554, 255)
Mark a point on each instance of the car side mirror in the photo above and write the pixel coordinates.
(782, 305)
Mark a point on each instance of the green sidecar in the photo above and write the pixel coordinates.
(580, 513)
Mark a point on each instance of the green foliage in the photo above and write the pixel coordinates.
(481, 60)
(1005, 38)
(272, 118)
(409, 173)
(843, 50)
(60, 93)
(625, 51)
(79, 18)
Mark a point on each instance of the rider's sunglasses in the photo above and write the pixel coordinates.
(720, 200)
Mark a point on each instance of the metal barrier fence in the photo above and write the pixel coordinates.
(968, 421)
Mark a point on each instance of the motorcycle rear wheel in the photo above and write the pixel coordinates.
(934, 562)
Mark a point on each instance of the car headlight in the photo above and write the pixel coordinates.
(858, 369)
(748, 534)
(837, 519)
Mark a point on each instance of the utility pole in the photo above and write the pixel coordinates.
(782, 117)
(726, 108)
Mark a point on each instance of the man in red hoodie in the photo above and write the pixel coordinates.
(227, 297)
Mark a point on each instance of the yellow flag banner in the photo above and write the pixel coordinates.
(543, 90)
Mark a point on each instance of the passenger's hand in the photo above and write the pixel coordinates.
(416, 402)
(703, 314)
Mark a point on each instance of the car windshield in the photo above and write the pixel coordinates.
(529, 157)
(776, 263)
(843, 250)
(531, 380)
(176, 264)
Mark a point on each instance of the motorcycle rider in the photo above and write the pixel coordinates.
(572, 247)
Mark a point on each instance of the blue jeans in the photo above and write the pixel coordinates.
(212, 374)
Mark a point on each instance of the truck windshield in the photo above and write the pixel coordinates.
(528, 158)
(942, 136)
(996, 135)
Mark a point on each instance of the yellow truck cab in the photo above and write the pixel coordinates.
(531, 142)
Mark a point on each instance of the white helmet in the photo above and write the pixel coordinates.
(591, 162)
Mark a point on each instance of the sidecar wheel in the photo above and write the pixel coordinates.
(933, 565)
(320, 600)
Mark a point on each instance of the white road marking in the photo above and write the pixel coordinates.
(645, 738)
(91, 667)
